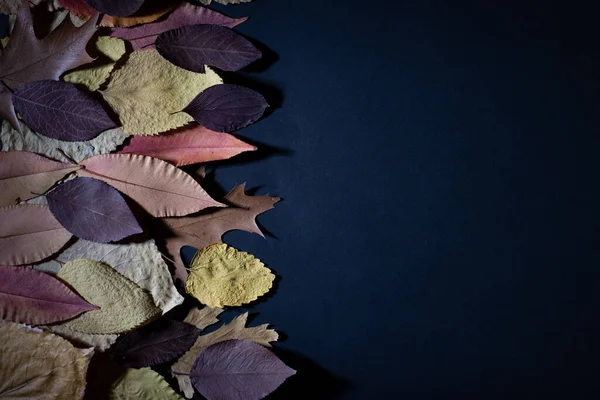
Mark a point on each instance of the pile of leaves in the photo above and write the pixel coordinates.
(101, 111)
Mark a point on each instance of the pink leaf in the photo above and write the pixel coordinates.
(143, 37)
(35, 298)
(23, 175)
(191, 146)
(160, 188)
(28, 234)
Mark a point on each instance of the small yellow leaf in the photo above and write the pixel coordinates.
(93, 76)
(148, 93)
(142, 384)
(223, 276)
(123, 304)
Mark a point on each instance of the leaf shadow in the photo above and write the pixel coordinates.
(262, 152)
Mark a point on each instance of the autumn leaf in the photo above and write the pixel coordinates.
(100, 343)
(117, 8)
(160, 188)
(123, 304)
(191, 146)
(36, 298)
(141, 384)
(36, 365)
(28, 234)
(28, 59)
(24, 175)
(203, 230)
(203, 318)
(236, 329)
(148, 93)
(9, 6)
(143, 37)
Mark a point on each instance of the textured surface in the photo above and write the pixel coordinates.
(194, 145)
(143, 37)
(39, 365)
(194, 46)
(225, 108)
(60, 111)
(142, 384)
(100, 343)
(92, 210)
(148, 93)
(123, 304)
(24, 175)
(28, 234)
(160, 188)
(35, 298)
(238, 370)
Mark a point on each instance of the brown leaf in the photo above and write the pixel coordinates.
(203, 230)
(236, 329)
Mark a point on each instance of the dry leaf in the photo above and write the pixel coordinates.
(140, 262)
(31, 141)
(236, 329)
(142, 384)
(123, 304)
(221, 275)
(148, 93)
(203, 318)
(100, 343)
(203, 230)
(95, 75)
(9, 6)
(40, 365)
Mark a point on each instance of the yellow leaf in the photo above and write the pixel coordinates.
(142, 384)
(39, 365)
(123, 304)
(223, 276)
(94, 76)
(148, 93)
(203, 318)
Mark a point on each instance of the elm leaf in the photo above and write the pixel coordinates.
(238, 370)
(92, 210)
(225, 108)
(60, 111)
(193, 46)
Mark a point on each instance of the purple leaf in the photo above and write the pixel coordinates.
(238, 370)
(156, 343)
(194, 46)
(224, 108)
(60, 111)
(117, 8)
(143, 36)
(92, 210)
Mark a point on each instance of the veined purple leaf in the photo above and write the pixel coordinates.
(238, 370)
(157, 343)
(60, 111)
(92, 210)
(35, 298)
(143, 36)
(224, 108)
(117, 8)
(194, 46)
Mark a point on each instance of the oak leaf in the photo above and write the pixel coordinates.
(141, 384)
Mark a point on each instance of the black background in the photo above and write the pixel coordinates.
(439, 234)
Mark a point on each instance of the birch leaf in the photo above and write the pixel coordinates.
(141, 262)
(39, 365)
(142, 384)
(123, 304)
(148, 93)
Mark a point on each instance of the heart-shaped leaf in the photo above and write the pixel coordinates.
(90, 209)
(35, 298)
(118, 8)
(60, 111)
(194, 46)
(160, 188)
(238, 370)
(225, 108)
(24, 175)
(28, 234)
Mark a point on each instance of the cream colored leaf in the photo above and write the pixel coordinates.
(236, 329)
(34, 142)
(223, 276)
(203, 318)
(140, 262)
(142, 384)
(123, 304)
(100, 343)
(148, 93)
(94, 75)
(39, 365)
